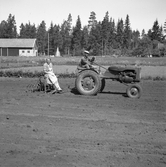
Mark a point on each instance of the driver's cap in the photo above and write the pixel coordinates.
(86, 52)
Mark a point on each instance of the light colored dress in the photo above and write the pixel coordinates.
(51, 78)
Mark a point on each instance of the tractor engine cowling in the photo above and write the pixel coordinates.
(126, 79)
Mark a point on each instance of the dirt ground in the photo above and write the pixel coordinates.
(71, 130)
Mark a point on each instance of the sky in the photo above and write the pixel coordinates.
(142, 13)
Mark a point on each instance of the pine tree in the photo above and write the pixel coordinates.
(76, 39)
(127, 33)
(149, 34)
(156, 32)
(58, 39)
(27, 31)
(95, 40)
(9, 27)
(66, 34)
(135, 39)
(92, 31)
(33, 31)
(3, 28)
(69, 23)
(105, 33)
(92, 21)
(164, 27)
(51, 39)
(112, 36)
(42, 37)
(85, 38)
(145, 46)
(22, 31)
(143, 33)
(119, 35)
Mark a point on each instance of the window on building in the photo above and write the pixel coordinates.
(28, 51)
(23, 51)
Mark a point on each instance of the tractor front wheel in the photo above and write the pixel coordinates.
(134, 91)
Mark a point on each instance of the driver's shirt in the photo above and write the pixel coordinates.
(83, 61)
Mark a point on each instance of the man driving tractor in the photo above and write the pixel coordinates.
(86, 62)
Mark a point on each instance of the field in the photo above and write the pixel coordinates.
(15, 62)
(70, 130)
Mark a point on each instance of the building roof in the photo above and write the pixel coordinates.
(17, 43)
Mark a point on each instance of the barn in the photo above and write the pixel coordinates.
(18, 47)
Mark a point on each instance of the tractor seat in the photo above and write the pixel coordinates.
(116, 68)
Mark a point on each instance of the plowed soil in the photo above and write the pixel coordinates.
(70, 130)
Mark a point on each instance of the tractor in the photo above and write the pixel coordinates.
(92, 81)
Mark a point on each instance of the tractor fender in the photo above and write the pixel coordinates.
(87, 70)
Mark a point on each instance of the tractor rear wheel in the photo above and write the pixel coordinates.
(88, 83)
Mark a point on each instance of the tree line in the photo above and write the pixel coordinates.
(100, 37)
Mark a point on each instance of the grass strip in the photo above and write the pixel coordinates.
(27, 74)
(37, 74)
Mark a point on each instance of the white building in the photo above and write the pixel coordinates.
(18, 47)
